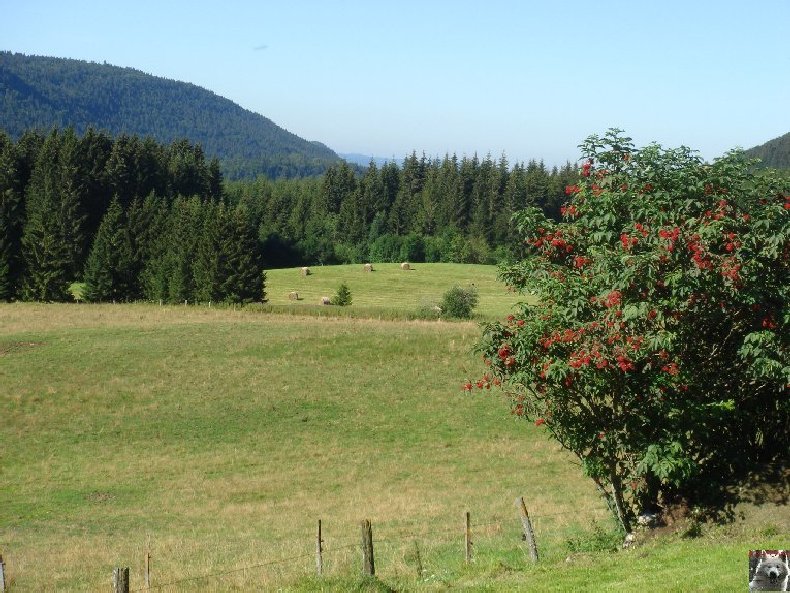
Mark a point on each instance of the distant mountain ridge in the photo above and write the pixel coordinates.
(363, 160)
(774, 153)
(44, 92)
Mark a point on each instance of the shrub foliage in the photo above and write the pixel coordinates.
(657, 351)
(459, 301)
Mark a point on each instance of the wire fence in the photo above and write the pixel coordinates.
(412, 547)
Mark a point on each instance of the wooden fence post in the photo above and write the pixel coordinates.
(2, 574)
(120, 580)
(368, 565)
(147, 569)
(467, 538)
(526, 524)
(319, 559)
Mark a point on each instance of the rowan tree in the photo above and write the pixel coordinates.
(654, 340)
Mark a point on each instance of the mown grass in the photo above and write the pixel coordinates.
(387, 291)
(216, 438)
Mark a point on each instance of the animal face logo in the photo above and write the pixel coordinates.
(768, 570)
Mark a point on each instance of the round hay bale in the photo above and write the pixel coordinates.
(368, 268)
(305, 271)
(293, 296)
(405, 266)
(325, 300)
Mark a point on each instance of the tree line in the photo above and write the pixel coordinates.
(135, 219)
(423, 210)
(129, 217)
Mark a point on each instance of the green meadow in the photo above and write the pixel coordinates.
(387, 291)
(216, 438)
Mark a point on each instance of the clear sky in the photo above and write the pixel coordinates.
(528, 78)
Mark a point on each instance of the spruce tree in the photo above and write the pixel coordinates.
(206, 266)
(185, 228)
(240, 269)
(109, 270)
(214, 180)
(342, 297)
(11, 220)
(93, 152)
(72, 208)
(168, 273)
(147, 222)
(52, 237)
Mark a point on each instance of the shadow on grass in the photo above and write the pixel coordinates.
(718, 494)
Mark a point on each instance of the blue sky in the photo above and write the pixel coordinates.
(532, 79)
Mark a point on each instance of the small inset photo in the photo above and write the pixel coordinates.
(768, 570)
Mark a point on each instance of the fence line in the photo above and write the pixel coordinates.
(368, 541)
(221, 574)
(462, 532)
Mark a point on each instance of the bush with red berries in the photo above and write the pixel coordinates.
(657, 347)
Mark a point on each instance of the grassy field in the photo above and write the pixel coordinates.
(387, 290)
(216, 438)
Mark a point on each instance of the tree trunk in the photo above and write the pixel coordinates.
(617, 492)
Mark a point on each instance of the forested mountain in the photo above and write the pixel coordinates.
(45, 93)
(774, 153)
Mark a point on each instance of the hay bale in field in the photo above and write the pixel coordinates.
(326, 300)
(405, 266)
(368, 268)
(305, 271)
(293, 296)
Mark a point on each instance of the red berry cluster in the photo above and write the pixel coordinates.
(699, 255)
(671, 235)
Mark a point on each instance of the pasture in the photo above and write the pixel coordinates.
(387, 291)
(216, 438)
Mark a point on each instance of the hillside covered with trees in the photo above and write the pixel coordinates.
(136, 219)
(774, 153)
(45, 93)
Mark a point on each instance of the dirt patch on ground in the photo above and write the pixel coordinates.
(99, 497)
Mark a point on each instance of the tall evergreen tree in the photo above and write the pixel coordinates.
(429, 205)
(121, 169)
(206, 265)
(214, 180)
(11, 219)
(72, 208)
(187, 170)
(110, 268)
(468, 172)
(339, 184)
(93, 152)
(185, 228)
(147, 222)
(150, 168)
(52, 239)
(168, 275)
(27, 149)
(390, 182)
(242, 279)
